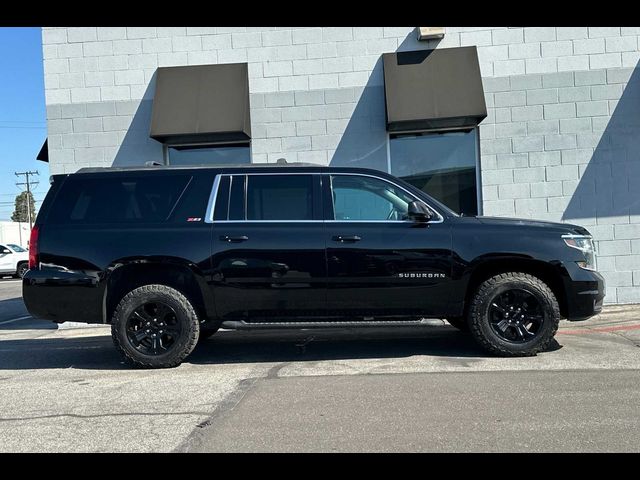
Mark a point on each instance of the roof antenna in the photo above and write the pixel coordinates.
(281, 161)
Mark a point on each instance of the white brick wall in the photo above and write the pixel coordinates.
(502, 51)
(551, 147)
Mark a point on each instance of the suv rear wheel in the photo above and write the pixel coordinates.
(155, 326)
(514, 314)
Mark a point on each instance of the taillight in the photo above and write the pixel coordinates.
(33, 247)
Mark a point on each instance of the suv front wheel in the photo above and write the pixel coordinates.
(155, 326)
(514, 314)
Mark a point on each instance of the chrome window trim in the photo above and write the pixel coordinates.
(216, 184)
(208, 216)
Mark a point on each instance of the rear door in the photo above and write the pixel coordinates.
(379, 262)
(268, 246)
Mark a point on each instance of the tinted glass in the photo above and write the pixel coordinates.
(441, 164)
(118, 199)
(367, 198)
(16, 248)
(280, 197)
(236, 198)
(222, 198)
(222, 155)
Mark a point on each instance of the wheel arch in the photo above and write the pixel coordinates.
(127, 275)
(549, 273)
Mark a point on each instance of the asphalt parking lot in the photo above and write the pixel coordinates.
(405, 389)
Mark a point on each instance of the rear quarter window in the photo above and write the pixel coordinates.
(118, 199)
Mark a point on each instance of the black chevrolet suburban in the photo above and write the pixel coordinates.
(167, 255)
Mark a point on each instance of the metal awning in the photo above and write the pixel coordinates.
(44, 151)
(433, 89)
(201, 104)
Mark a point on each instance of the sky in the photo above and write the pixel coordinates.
(22, 114)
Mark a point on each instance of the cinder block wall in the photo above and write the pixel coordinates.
(561, 140)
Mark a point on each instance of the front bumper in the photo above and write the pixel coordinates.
(585, 292)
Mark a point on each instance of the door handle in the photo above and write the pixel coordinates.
(346, 238)
(234, 239)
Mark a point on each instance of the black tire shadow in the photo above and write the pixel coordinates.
(334, 344)
(230, 347)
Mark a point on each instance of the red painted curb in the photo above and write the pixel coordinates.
(599, 329)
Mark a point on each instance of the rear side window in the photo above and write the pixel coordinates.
(280, 197)
(122, 199)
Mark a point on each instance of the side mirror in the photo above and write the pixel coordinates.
(418, 212)
(6, 250)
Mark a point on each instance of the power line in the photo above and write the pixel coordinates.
(28, 184)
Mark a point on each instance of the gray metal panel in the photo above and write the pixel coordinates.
(433, 89)
(205, 103)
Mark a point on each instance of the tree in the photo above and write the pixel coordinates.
(20, 213)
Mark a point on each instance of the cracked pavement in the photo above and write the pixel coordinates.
(426, 388)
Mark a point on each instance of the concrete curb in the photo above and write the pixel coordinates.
(72, 325)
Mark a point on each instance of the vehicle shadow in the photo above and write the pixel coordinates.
(229, 347)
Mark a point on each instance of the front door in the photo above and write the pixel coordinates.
(379, 262)
(268, 247)
(6, 259)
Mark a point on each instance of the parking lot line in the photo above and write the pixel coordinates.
(15, 319)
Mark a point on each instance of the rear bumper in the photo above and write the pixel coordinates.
(585, 291)
(62, 296)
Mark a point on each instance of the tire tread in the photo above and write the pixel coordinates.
(485, 289)
(179, 356)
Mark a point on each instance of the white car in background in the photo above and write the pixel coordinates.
(14, 260)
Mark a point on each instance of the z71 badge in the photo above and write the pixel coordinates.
(421, 275)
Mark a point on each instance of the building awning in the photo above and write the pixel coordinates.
(433, 89)
(201, 104)
(44, 151)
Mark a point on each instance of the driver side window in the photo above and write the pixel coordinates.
(367, 198)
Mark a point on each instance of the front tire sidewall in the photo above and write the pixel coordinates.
(481, 326)
(185, 315)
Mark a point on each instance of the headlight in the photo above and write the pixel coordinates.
(584, 243)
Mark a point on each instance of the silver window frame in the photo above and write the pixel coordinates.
(213, 197)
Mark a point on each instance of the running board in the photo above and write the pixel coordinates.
(242, 325)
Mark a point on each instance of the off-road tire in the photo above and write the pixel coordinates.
(185, 313)
(479, 319)
(459, 322)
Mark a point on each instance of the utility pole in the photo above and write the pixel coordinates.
(28, 184)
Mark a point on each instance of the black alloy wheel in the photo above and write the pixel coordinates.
(516, 315)
(153, 328)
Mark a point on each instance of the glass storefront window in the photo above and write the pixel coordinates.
(440, 164)
(210, 154)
